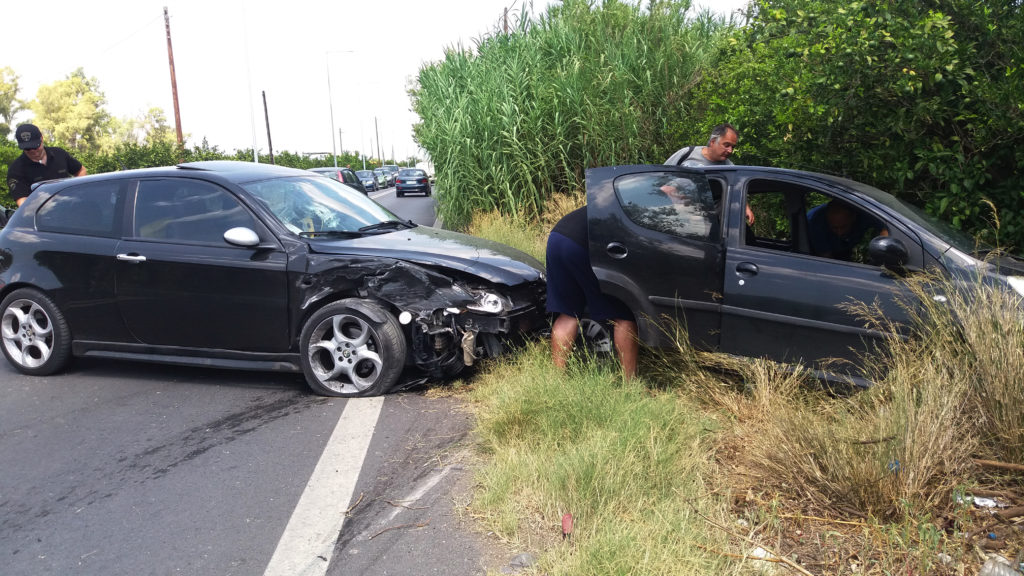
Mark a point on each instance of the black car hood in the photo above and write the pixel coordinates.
(428, 246)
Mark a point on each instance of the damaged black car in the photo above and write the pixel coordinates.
(251, 266)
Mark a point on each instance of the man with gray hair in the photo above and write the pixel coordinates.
(720, 146)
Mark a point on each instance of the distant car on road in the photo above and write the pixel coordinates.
(412, 180)
(343, 175)
(254, 266)
(385, 176)
(368, 180)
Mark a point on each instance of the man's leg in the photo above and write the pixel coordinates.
(563, 335)
(627, 344)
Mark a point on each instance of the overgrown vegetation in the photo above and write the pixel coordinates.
(924, 100)
(522, 116)
(709, 458)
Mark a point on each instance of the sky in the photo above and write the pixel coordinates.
(312, 59)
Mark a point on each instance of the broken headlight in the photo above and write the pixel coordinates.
(488, 302)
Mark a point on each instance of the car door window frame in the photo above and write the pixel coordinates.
(678, 204)
(184, 211)
(86, 209)
(799, 220)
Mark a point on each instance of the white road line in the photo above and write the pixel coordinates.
(420, 491)
(307, 544)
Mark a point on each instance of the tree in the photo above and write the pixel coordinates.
(150, 127)
(9, 105)
(922, 99)
(71, 112)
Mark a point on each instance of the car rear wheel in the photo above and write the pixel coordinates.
(36, 337)
(352, 348)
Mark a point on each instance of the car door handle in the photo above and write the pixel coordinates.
(746, 269)
(616, 250)
(131, 258)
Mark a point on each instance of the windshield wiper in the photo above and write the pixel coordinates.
(318, 233)
(387, 225)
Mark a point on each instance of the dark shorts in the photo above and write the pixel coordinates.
(573, 289)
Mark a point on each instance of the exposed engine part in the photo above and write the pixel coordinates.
(469, 347)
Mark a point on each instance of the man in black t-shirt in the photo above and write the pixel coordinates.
(38, 163)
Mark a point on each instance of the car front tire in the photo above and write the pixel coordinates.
(36, 338)
(351, 348)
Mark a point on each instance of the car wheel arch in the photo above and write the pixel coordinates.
(623, 289)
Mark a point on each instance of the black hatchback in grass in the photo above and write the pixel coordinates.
(252, 266)
(677, 246)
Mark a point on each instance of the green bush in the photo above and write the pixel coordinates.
(922, 99)
(129, 156)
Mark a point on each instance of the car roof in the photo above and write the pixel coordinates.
(861, 187)
(235, 171)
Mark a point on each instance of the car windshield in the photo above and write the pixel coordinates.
(412, 173)
(364, 174)
(313, 206)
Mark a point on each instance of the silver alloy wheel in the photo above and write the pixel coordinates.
(596, 336)
(27, 333)
(343, 354)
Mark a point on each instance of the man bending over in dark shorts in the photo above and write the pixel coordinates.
(573, 288)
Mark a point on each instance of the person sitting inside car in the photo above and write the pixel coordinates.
(836, 228)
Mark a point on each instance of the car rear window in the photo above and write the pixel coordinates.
(670, 203)
(88, 209)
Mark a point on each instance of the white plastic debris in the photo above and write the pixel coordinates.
(763, 560)
(998, 566)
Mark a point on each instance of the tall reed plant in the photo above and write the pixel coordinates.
(526, 113)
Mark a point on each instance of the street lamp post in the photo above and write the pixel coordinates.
(330, 96)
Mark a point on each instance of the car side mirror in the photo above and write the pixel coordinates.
(242, 236)
(889, 252)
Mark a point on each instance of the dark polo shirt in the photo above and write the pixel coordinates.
(23, 172)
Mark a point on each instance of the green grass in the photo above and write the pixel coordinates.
(628, 465)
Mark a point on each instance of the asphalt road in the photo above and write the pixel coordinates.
(127, 468)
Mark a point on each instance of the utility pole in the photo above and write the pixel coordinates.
(377, 132)
(341, 146)
(174, 81)
(266, 116)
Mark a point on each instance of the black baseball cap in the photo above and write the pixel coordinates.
(28, 136)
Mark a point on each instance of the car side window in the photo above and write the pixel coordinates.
(674, 204)
(800, 219)
(185, 210)
(91, 209)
